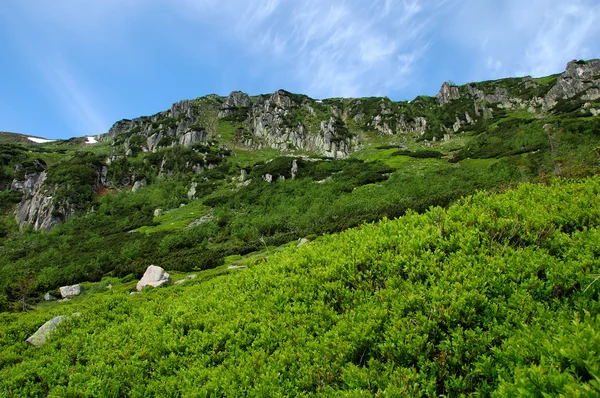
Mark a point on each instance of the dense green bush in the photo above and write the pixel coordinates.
(486, 298)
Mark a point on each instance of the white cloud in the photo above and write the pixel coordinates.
(332, 48)
(515, 37)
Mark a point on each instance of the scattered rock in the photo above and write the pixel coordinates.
(157, 212)
(187, 278)
(302, 242)
(236, 267)
(42, 334)
(191, 194)
(139, 184)
(108, 287)
(201, 220)
(70, 291)
(63, 300)
(155, 277)
(49, 297)
(134, 293)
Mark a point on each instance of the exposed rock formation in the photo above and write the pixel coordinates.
(155, 277)
(70, 291)
(447, 93)
(42, 334)
(580, 78)
(37, 207)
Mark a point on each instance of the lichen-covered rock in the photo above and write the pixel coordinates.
(42, 334)
(447, 93)
(37, 207)
(139, 185)
(155, 277)
(70, 291)
(579, 78)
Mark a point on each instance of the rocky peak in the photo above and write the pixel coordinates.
(281, 98)
(447, 93)
(182, 108)
(237, 99)
(579, 78)
(234, 101)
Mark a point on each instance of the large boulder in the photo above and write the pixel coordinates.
(155, 277)
(70, 291)
(40, 336)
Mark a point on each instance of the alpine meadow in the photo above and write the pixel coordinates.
(279, 245)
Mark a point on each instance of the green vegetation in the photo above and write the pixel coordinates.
(486, 297)
(493, 295)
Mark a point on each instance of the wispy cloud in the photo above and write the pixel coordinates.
(76, 100)
(536, 37)
(333, 48)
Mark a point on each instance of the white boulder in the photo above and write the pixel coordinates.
(70, 291)
(155, 277)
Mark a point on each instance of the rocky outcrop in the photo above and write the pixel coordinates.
(580, 78)
(155, 277)
(70, 291)
(447, 93)
(37, 207)
(235, 102)
(42, 334)
(272, 124)
(139, 185)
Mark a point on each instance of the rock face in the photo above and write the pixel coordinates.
(70, 291)
(155, 277)
(580, 77)
(447, 93)
(38, 207)
(42, 334)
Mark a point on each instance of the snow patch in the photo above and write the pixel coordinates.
(39, 140)
(91, 140)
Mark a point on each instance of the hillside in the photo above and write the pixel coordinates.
(491, 296)
(242, 180)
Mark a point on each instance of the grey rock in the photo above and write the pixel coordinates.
(578, 78)
(155, 277)
(42, 334)
(294, 169)
(302, 242)
(235, 100)
(191, 194)
(139, 184)
(70, 291)
(157, 212)
(201, 220)
(49, 297)
(236, 267)
(447, 93)
(192, 137)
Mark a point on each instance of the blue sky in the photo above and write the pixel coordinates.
(74, 67)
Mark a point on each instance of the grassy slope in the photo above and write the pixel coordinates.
(487, 296)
